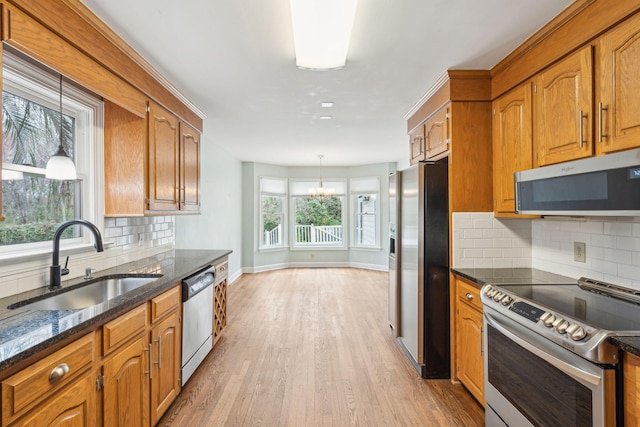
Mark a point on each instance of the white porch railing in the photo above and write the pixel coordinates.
(273, 237)
(318, 234)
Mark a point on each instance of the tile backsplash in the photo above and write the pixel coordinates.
(126, 239)
(612, 248)
(612, 245)
(482, 241)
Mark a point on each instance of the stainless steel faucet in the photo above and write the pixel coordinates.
(55, 271)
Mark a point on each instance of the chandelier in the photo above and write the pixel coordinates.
(321, 193)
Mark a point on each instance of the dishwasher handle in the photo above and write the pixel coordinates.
(196, 283)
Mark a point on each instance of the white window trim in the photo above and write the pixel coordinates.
(353, 213)
(345, 218)
(285, 208)
(44, 87)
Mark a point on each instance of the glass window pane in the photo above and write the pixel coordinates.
(366, 220)
(272, 220)
(318, 223)
(34, 206)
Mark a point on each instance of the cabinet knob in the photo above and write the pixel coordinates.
(469, 296)
(58, 372)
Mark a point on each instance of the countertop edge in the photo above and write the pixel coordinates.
(134, 298)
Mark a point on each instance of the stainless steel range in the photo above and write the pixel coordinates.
(548, 358)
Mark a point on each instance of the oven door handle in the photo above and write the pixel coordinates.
(553, 357)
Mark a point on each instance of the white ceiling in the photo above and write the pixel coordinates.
(234, 59)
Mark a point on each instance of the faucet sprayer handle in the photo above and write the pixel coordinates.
(64, 271)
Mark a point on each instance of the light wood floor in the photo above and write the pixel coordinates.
(312, 347)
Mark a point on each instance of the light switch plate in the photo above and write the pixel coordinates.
(579, 253)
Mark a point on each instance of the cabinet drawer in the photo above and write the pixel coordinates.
(222, 270)
(469, 294)
(33, 384)
(165, 303)
(125, 327)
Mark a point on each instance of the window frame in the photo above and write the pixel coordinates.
(284, 216)
(25, 79)
(371, 187)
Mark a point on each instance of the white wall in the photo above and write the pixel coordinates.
(255, 260)
(219, 225)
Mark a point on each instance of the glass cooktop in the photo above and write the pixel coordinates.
(600, 311)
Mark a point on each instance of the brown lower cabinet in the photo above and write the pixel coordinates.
(125, 374)
(631, 368)
(467, 341)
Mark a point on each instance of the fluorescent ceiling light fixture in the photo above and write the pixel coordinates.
(325, 117)
(321, 32)
(326, 104)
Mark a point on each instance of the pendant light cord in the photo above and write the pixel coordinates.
(61, 111)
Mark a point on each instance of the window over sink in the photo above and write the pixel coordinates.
(33, 205)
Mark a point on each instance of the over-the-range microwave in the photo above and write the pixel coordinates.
(606, 185)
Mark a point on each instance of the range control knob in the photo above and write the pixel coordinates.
(498, 296)
(548, 319)
(576, 332)
(561, 325)
(487, 290)
(506, 300)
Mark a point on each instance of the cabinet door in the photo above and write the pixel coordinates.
(189, 169)
(74, 406)
(437, 133)
(618, 123)
(163, 159)
(165, 381)
(563, 110)
(512, 144)
(126, 386)
(416, 139)
(469, 349)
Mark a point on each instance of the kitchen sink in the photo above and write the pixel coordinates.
(97, 291)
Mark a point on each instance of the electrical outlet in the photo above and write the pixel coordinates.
(579, 252)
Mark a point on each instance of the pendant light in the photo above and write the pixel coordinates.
(60, 165)
(321, 193)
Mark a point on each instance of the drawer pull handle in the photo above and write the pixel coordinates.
(469, 296)
(58, 372)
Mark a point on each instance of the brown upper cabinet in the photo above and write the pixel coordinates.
(512, 142)
(174, 163)
(164, 157)
(436, 131)
(563, 110)
(189, 169)
(70, 39)
(455, 122)
(416, 141)
(430, 139)
(617, 89)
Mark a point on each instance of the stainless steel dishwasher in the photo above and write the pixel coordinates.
(197, 325)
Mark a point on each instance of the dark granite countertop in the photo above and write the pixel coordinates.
(24, 333)
(483, 276)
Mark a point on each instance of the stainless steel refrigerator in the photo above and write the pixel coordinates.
(423, 254)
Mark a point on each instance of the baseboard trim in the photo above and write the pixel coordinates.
(282, 266)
